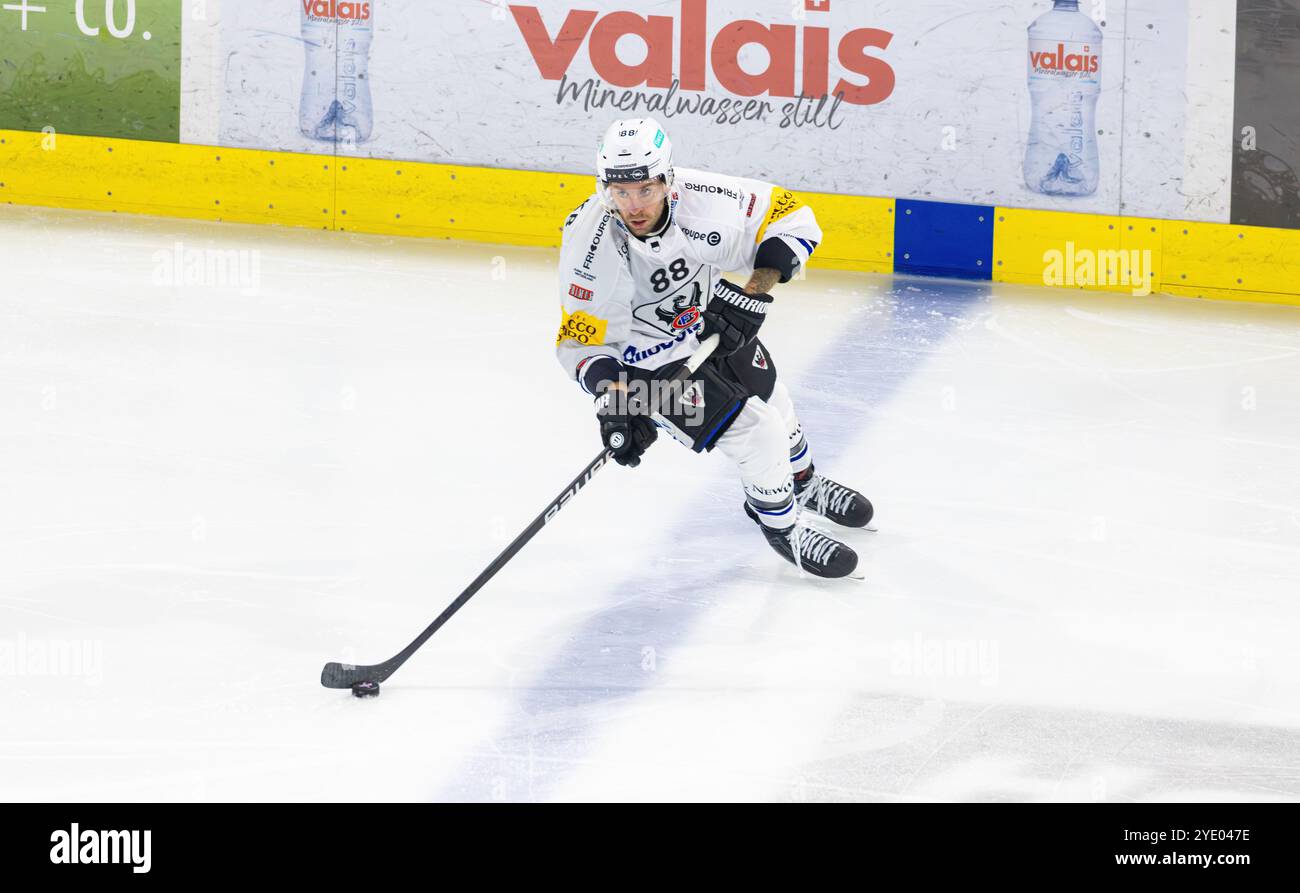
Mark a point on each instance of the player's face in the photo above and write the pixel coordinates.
(639, 204)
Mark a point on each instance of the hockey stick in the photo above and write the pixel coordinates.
(338, 675)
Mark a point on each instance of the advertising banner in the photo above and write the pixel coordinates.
(107, 68)
(1018, 102)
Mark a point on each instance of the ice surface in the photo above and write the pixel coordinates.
(1084, 586)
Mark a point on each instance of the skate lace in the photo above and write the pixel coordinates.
(827, 494)
(812, 545)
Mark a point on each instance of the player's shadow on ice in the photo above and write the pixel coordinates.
(896, 328)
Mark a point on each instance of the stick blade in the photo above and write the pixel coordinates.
(337, 675)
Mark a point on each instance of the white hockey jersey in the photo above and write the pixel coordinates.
(639, 301)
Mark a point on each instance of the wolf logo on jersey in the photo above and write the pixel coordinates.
(675, 313)
(680, 303)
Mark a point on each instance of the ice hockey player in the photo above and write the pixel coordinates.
(641, 285)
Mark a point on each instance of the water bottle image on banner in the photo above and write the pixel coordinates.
(1064, 83)
(336, 83)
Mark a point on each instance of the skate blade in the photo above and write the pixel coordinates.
(825, 525)
(856, 575)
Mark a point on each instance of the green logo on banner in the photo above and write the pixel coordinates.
(94, 69)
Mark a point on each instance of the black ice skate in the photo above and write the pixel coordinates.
(843, 505)
(816, 553)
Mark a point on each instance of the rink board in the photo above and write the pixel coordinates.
(1204, 260)
(513, 207)
(167, 179)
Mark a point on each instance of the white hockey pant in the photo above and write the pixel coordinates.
(767, 445)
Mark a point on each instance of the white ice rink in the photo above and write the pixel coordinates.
(1084, 585)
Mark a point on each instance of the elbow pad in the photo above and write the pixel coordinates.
(775, 254)
(597, 371)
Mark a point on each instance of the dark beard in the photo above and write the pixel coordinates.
(659, 226)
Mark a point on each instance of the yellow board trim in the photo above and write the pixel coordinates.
(1123, 254)
(1218, 261)
(457, 202)
(1254, 262)
(857, 232)
(167, 179)
(1184, 258)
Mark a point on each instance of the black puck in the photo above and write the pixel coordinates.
(365, 689)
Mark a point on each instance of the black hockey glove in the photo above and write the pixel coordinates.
(626, 430)
(733, 316)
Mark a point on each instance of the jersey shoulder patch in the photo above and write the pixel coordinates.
(582, 327)
(783, 204)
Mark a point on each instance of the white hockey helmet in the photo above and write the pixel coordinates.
(634, 150)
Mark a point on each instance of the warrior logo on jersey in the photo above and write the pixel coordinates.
(677, 312)
(760, 358)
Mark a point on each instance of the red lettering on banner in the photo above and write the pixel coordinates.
(343, 10)
(1086, 63)
(555, 55)
(656, 31)
(695, 44)
(879, 74)
(778, 40)
(816, 61)
(553, 58)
